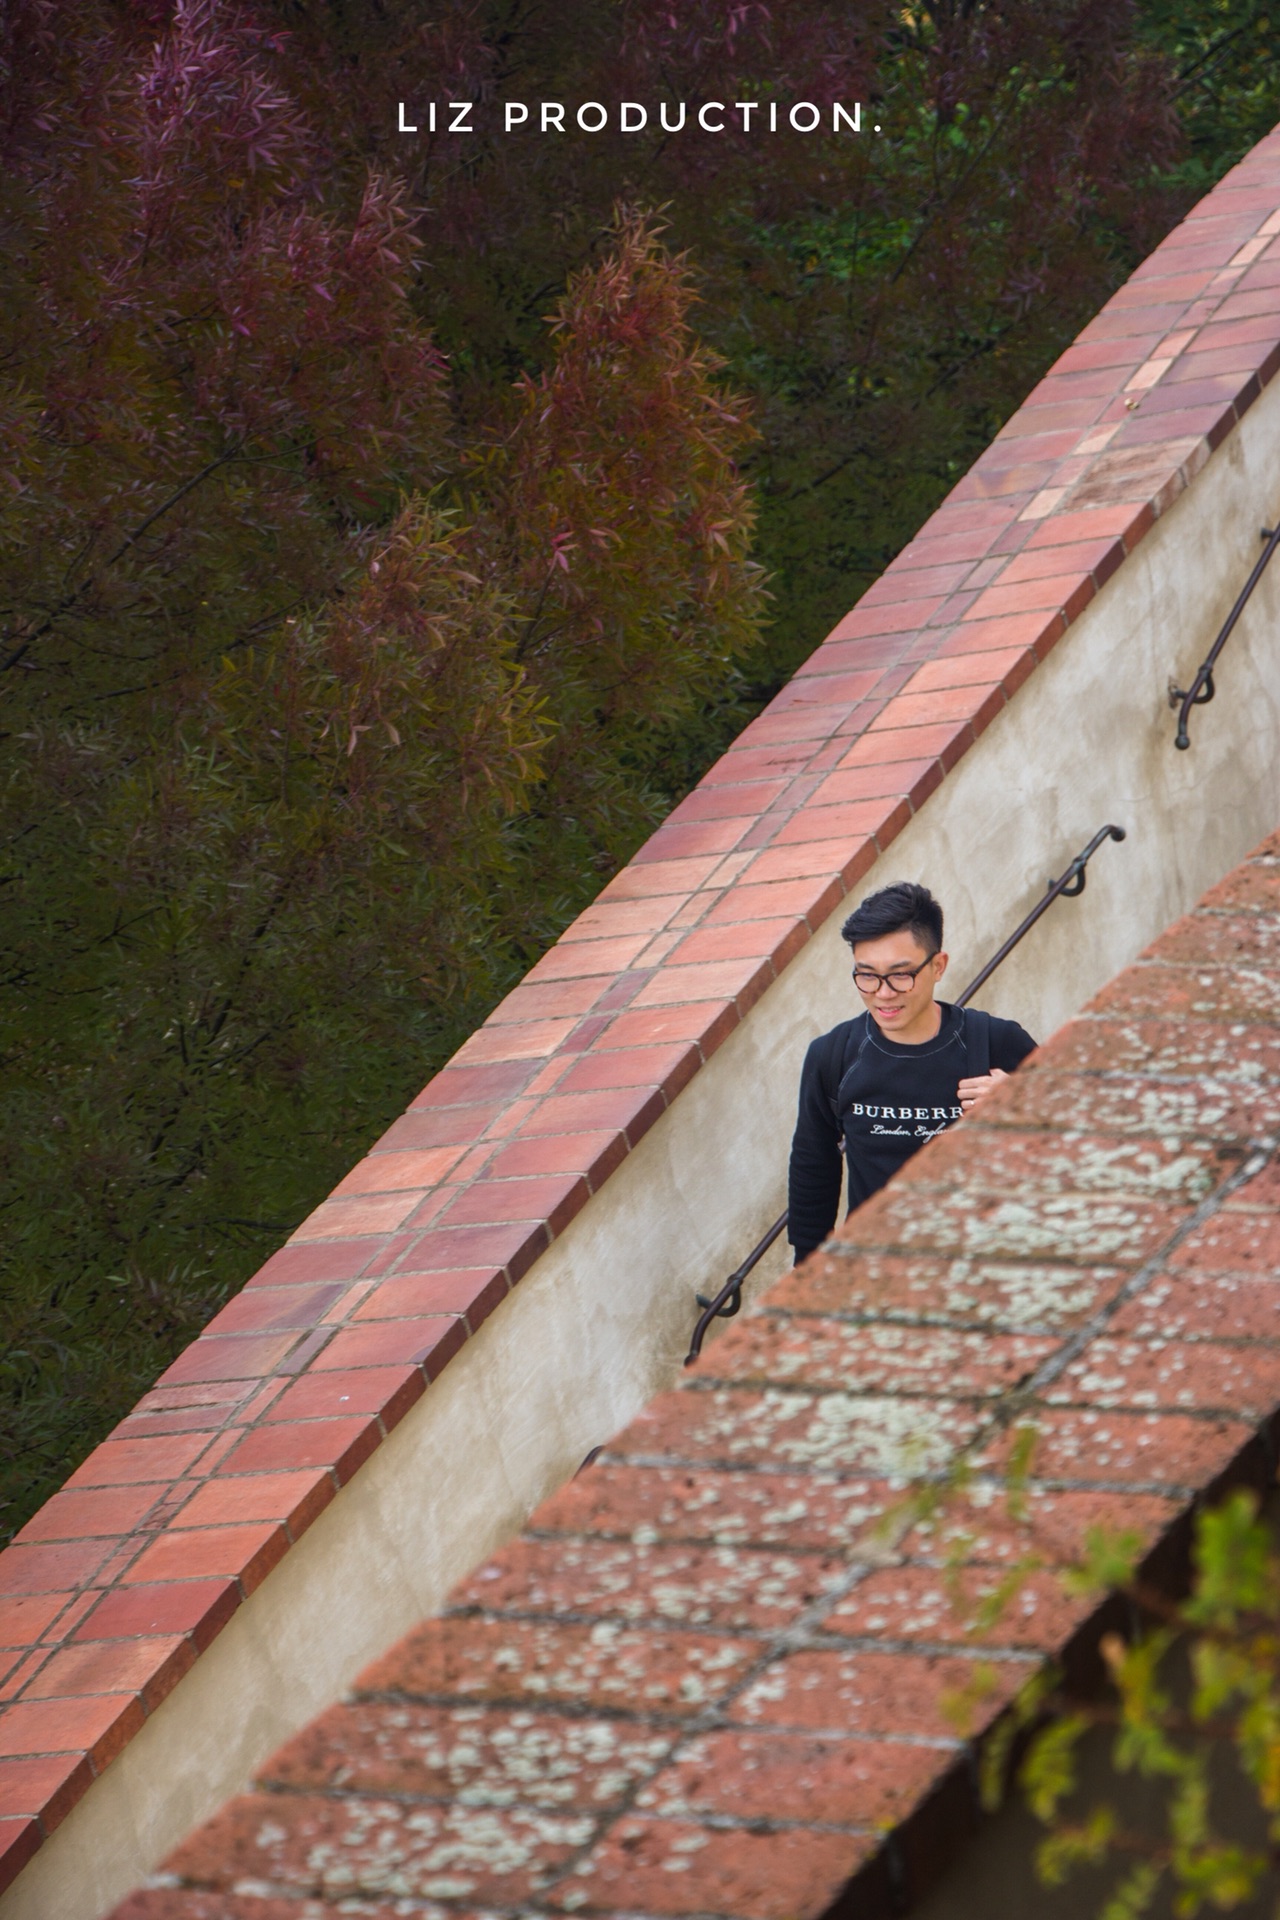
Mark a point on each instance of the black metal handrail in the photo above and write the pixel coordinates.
(1070, 885)
(1201, 690)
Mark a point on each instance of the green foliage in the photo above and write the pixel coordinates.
(1225, 80)
(1228, 1630)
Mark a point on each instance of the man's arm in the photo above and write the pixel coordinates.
(813, 1183)
(1010, 1045)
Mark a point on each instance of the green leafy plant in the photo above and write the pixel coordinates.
(1193, 1692)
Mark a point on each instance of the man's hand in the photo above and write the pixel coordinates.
(971, 1091)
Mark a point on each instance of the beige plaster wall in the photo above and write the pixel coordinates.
(603, 1320)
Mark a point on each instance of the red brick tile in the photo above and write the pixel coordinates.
(810, 898)
(1163, 1049)
(718, 980)
(389, 1172)
(781, 1776)
(429, 1343)
(1206, 992)
(19, 1840)
(494, 1081)
(118, 1462)
(230, 1357)
(761, 1509)
(387, 1392)
(86, 1513)
(24, 1617)
(1159, 1450)
(984, 639)
(17, 1671)
(512, 1248)
(877, 1693)
(1051, 1525)
(1061, 1226)
(259, 1308)
(78, 1605)
(678, 839)
(1124, 522)
(491, 1202)
(471, 1294)
(943, 743)
(350, 1217)
(530, 1040)
(826, 1433)
(745, 761)
(246, 1554)
(687, 1586)
(774, 940)
(1068, 592)
(439, 1127)
(926, 1606)
(616, 919)
(643, 877)
(315, 1263)
(669, 1067)
(1007, 668)
(938, 546)
(143, 1424)
(745, 798)
(1065, 386)
(431, 1752)
(1257, 330)
(887, 616)
(877, 1359)
(653, 1027)
(293, 1498)
(595, 1155)
(95, 1724)
(1183, 1172)
(901, 583)
(48, 1787)
(1118, 322)
(1103, 353)
(58, 1568)
(198, 1608)
(1218, 938)
(840, 828)
(1199, 1305)
(1033, 1295)
(341, 1445)
(613, 1109)
(926, 710)
(1200, 1376)
(677, 1867)
(575, 958)
(543, 999)
(529, 1662)
(1177, 433)
(310, 1844)
(874, 780)
(838, 860)
(149, 1668)
(189, 1903)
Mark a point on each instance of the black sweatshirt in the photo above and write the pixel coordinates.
(892, 1098)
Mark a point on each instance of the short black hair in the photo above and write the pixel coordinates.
(907, 907)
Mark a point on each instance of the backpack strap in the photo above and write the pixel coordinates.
(844, 1044)
(977, 1043)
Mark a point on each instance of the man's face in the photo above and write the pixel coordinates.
(900, 1011)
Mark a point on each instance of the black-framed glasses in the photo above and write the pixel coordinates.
(899, 980)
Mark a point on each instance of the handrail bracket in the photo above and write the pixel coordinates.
(1201, 690)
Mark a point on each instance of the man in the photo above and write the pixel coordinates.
(880, 1085)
